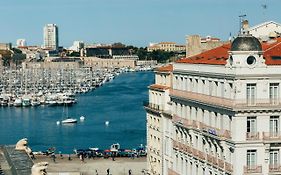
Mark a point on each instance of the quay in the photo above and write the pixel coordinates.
(15, 162)
(120, 166)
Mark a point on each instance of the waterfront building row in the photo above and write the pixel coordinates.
(217, 112)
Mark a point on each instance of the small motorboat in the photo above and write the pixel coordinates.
(69, 120)
(82, 118)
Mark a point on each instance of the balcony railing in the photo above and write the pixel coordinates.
(221, 163)
(201, 155)
(172, 172)
(252, 136)
(253, 169)
(199, 125)
(217, 132)
(271, 136)
(202, 98)
(228, 167)
(225, 102)
(153, 106)
(215, 161)
(274, 168)
(185, 122)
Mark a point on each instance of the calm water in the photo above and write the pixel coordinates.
(118, 101)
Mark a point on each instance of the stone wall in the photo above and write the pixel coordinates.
(98, 62)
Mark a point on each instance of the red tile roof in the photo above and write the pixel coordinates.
(219, 55)
(167, 68)
(272, 50)
(216, 56)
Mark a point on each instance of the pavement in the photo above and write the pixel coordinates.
(96, 166)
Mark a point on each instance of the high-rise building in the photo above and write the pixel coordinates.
(51, 37)
(21, 43)
(217, 112)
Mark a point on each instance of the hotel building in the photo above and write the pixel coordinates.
(51, 37)
(218, 112)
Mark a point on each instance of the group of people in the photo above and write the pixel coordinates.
(108, 172)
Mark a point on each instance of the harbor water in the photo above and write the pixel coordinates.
(120, 102)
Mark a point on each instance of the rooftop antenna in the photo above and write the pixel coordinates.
(241, 19)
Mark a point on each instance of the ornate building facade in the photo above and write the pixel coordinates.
(217, 112)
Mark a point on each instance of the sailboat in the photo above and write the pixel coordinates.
(68, 120)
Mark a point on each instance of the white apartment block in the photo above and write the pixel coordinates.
(266, 29)
(219, 115)
(51, 37)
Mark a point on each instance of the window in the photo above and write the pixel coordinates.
(251, 127)
(274, 126)
(251, 124)
(274, 93)
(274, 158)
(251, 159)
(251, 94)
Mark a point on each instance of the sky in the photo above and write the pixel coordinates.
(132, 22)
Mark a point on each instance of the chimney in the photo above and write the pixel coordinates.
(245, 25)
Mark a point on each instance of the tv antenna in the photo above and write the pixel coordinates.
(241, 19)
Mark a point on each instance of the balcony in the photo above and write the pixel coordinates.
(202, 98)
(212, 160)
(228, 167)
(221, 163)
(182, 121)
(226, 102)
(201, 155)
(274, 168)
(172, 172)
(252, 169)
(271, 136)
(195, 152)
(252, 136)
(216, 132)
(153, 106)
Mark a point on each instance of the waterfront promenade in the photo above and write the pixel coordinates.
(120, 166)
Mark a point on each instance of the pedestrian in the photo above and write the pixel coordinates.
(130, 172)
(69, 158)
(107, 171)
(81, 157)
(53, 157)
(97, 172)
(61, 156)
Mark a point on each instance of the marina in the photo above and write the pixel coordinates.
(112, 113)
(51, 87)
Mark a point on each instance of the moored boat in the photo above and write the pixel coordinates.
(69, 120)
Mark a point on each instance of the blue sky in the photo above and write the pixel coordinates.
(135, 22)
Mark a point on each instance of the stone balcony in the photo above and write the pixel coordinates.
(233, 104)
(210, 159)
(252, 169)
(272, 136)
(192, 124)
(253, 136)
(275, 168)
(172, 172)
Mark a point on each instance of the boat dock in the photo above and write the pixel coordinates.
(51, 87)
